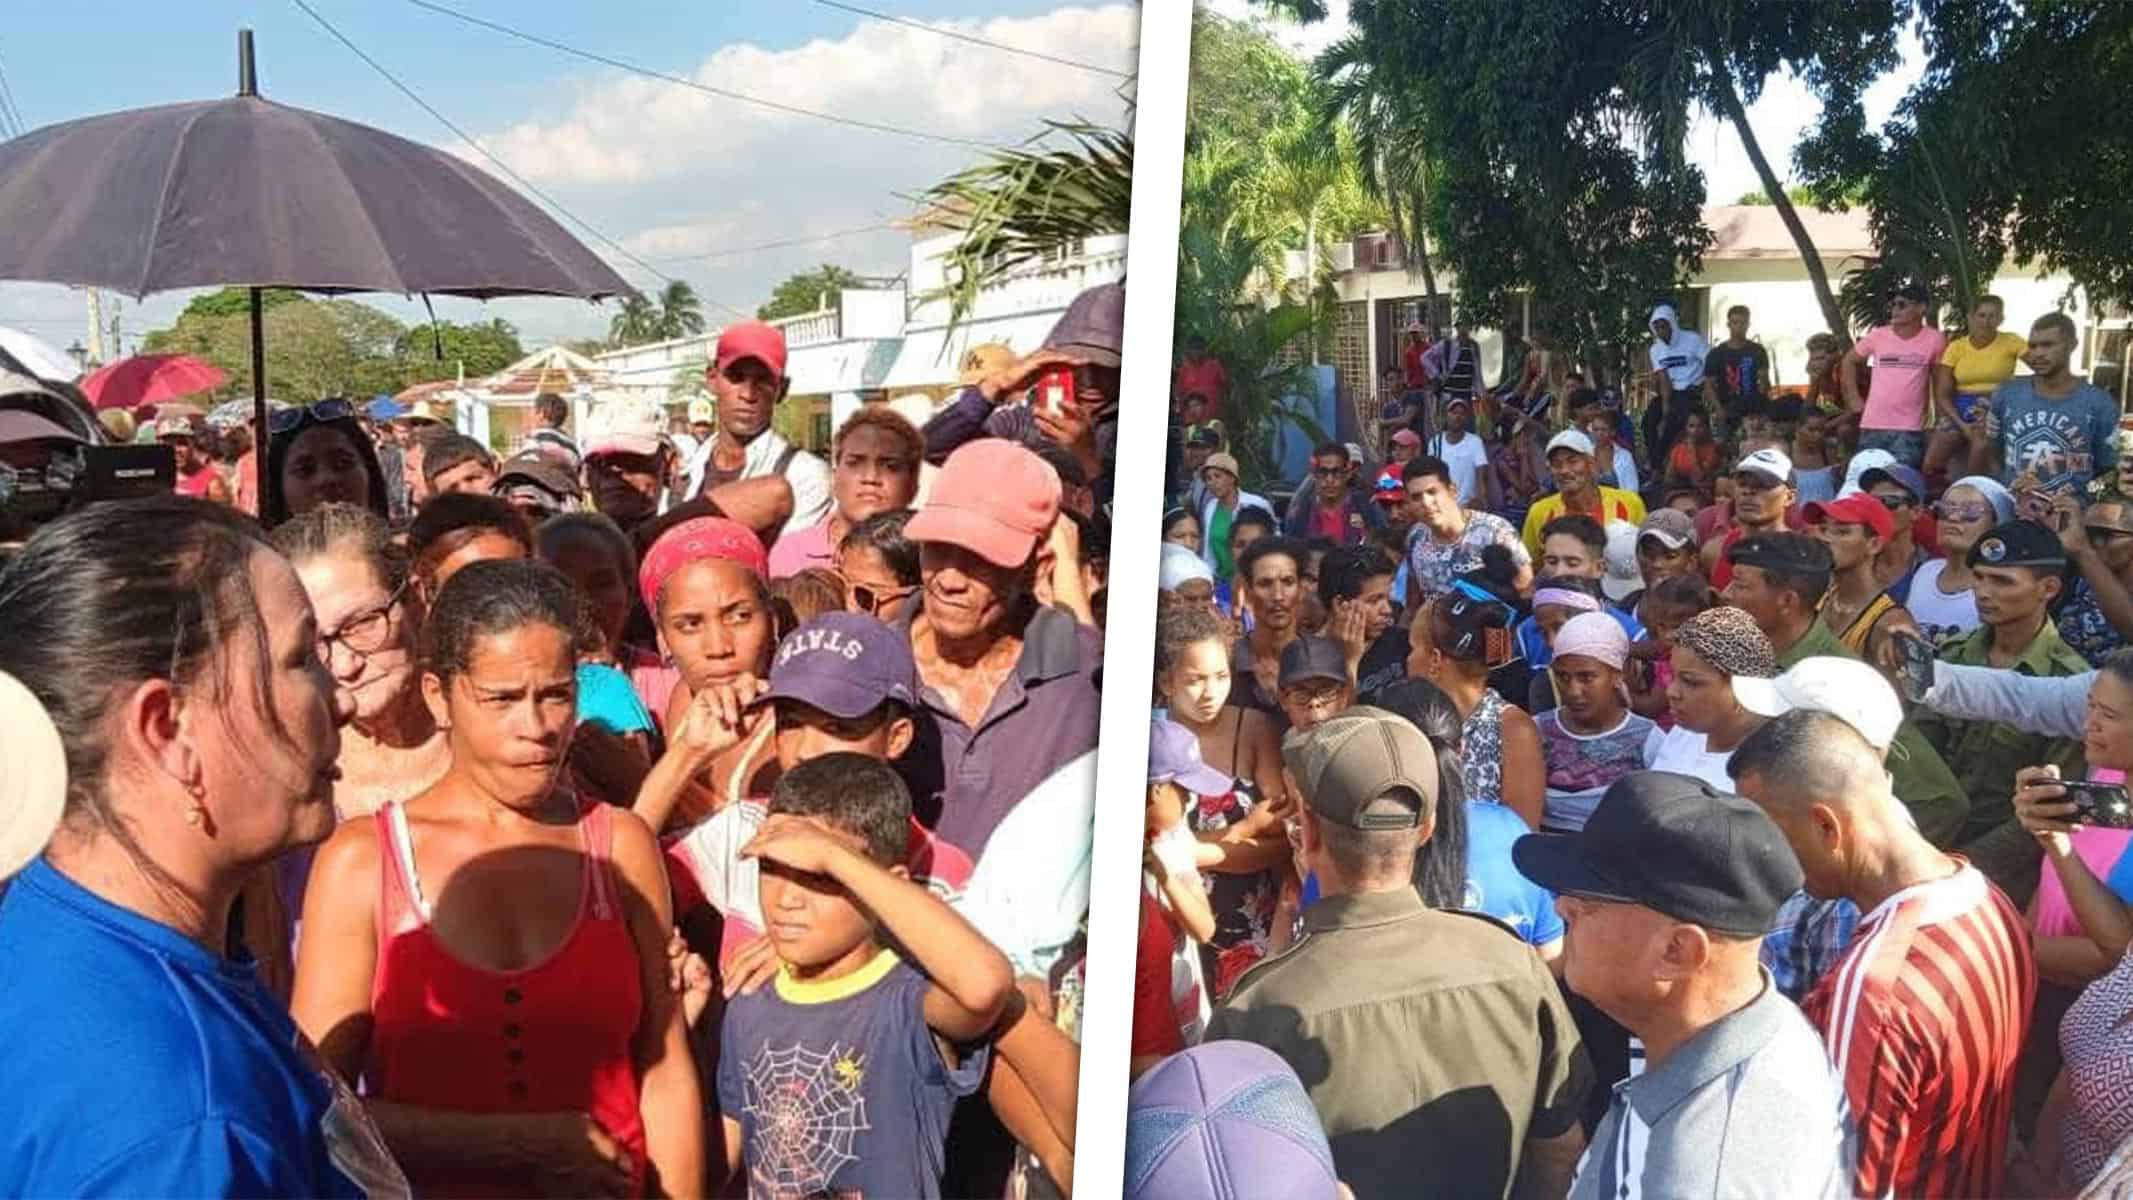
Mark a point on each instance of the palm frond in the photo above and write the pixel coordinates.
(1024, 203)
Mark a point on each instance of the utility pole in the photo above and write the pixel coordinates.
(118, 343)
(96, 327)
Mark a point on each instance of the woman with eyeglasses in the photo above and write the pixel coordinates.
(319, 455)
(357, 582)
(879, 565)
(1940, 596)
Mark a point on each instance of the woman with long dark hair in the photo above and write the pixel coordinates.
(319, 455)
(176, 653)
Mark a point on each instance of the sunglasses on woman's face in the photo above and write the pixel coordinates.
(289, 420)
(882, 602)
(1962, 512)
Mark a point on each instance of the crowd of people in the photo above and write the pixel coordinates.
(1548, 798)
(636, 814)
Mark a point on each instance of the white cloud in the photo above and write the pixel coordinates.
(636, 130)
(670, 171)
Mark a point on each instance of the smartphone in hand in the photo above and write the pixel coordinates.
(1914, 665)
(2104, 805)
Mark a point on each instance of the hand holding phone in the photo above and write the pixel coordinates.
(1914, 665)
(2104, 805)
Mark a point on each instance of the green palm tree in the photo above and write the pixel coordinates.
(1024, 203)
(635, 323)
(681, 313)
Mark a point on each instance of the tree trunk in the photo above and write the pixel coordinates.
(1729, 100)
(1310, 269)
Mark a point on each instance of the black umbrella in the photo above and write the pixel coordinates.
(245, 191)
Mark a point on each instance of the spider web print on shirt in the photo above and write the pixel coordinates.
(807, 1111)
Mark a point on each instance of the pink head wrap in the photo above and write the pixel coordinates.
(698, 538)
(1583, 602)
(1596, 636)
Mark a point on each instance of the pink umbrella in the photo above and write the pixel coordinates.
(151, 379)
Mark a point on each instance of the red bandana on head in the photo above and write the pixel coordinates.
(698, 538)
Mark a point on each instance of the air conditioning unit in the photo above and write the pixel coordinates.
(1344, 257)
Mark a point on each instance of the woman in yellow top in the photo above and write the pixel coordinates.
(1969, 370)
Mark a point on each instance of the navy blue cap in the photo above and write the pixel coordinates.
(845, 664)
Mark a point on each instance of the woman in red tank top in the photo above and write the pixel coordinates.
(489, 958)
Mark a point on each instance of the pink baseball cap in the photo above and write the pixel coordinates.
(752, 339)
(994, 499)
(1406, 437)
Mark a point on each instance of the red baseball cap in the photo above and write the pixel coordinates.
(752, 339)
(993, 498)
(1859, 508)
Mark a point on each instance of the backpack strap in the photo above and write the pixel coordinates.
(785, 459)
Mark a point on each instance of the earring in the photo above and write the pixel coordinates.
(195, 816)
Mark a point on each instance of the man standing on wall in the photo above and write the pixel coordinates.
(1903, 354)
(1737, 377)
(1677, 357)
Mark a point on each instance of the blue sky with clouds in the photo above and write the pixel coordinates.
(666, 170)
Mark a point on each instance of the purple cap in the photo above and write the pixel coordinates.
(1174, 757)
(845, 664)
(1225, 1119)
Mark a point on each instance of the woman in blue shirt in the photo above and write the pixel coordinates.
(176, 654)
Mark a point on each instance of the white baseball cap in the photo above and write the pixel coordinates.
(625, 427)
(1845, 688)
(1769, 462)
(1624, 577)
(1570, 439)
(33, 789)
(1861, 463)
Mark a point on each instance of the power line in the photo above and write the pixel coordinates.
(725, 93)
(973, 39)
(779, 245)
(500, 164)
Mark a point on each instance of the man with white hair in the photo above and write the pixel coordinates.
(1665, 893)
(1925, 1014)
